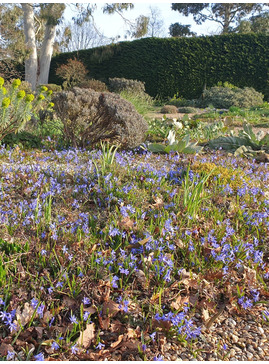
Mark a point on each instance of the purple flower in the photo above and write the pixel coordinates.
(12, 327)
(158, 358)
(152, 336)
(64, 249)
(50, 290)
(86, 301)
(43, 252)
(59, 284)
(2, 302)
(73, 319)
(74, 349)
(10, 355)
(100, 346)
(55, 346)
(39, 357)
(34, 303)
(86, 315)
(224, 347)
(40, 310)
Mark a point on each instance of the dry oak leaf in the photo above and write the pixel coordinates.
(126, 223)
(110, 308)
(25, 316)
(86, 337)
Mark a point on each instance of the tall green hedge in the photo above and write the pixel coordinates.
(180, 65)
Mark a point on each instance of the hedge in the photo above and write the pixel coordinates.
(180, 65)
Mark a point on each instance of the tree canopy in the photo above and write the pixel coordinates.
(227, 15)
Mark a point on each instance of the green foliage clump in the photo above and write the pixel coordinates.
(169, 109)
(95, 85)
(17, 107)
(53, 87)
(23, 139)
(226, 97)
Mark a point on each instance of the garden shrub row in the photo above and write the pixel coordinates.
(180, 65)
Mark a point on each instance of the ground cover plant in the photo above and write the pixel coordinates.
(114, 254)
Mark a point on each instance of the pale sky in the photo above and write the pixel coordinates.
(112, 25)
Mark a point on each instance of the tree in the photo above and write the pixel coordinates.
(180, 30)
(36, 24)
(225, 14)
(73, 37)
(155, 24)
(256, 24)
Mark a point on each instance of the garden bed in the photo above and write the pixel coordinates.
(136, 257)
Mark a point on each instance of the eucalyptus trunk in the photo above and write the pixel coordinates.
(31, 62)
(46, 54)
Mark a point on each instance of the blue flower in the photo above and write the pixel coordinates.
(86, 301)
(55, 346)
(10, 355)
(100, 346)
(39, 357)
(158, 358)
(73, 319)
(74, 349)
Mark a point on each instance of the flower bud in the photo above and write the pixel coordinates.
(29, 98)
(16, 83)
(2, 81)
(43, 89)
(21, 94)
(5, 102)
(51, 104)
(41, 97)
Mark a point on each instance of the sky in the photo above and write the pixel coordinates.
(113, 25)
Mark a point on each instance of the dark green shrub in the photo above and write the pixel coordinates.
(24, 140)
(225, 97)
(183, 65)
(169, 109)
(95, 85)
(90, 117)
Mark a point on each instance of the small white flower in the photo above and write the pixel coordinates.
(177, 124)
(171, 137)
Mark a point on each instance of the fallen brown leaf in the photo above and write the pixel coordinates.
(116, 343)
(110, 308)
(4, 348)
(86, 337)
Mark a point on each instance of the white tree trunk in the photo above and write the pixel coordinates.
(46, 54)
(30, 41)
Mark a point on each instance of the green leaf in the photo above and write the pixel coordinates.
(265, 140)
(248, 130)
(230, 143)
(156, 148)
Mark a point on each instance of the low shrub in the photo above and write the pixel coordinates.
(24, 140)
(95, 85)
(169, 109)
(17, 107)
(122, 84)
(225, 97)
(90, 117)
(187, 110)
(73, 73)
(53, 87)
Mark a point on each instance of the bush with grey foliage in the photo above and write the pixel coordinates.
(90, 117)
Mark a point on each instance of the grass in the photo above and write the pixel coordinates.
(96, 244)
